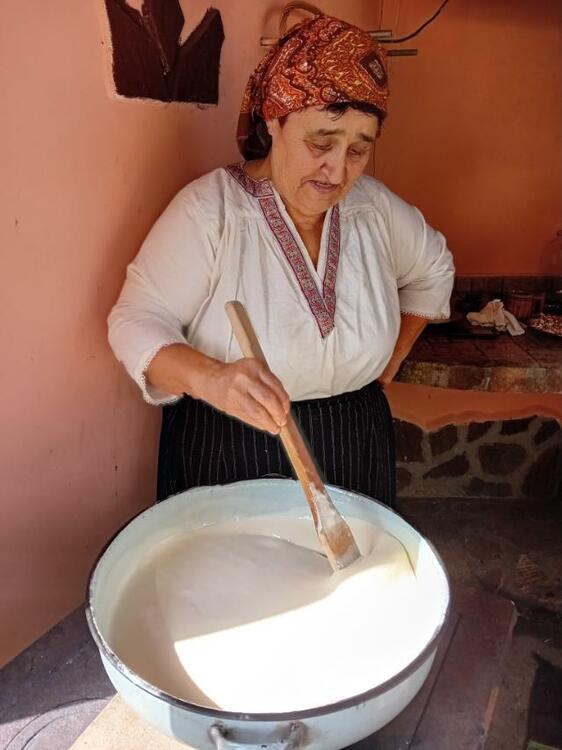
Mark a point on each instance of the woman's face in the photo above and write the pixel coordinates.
(316, 156)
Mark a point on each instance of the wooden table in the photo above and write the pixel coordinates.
(454, 709)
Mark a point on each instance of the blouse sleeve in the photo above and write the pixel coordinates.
(423, 264)
(165, 286)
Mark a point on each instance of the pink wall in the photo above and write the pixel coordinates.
(474, 133)
(89, 173)
(432, 408)
(473, 138)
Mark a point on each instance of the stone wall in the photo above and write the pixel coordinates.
(517, 458)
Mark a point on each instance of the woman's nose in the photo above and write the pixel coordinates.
(335, 167)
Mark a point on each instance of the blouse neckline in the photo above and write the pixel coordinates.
(256, 188)
(320, 293)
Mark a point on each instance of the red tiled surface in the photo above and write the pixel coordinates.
(531, 362)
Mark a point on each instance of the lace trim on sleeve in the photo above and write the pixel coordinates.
(144, 386)
(427, 316)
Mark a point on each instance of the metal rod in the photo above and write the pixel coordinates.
(269, 41)
(402, 52)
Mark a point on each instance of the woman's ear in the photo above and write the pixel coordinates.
(273, 127)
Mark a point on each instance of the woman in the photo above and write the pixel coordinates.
(339, 277)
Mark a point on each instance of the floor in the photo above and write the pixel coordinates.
(513, 549)
(51, 692)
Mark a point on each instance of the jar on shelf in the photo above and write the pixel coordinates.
(519, 304)
(538, 302)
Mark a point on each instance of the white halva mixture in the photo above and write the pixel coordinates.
(247, 616)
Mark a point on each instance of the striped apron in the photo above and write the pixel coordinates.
(350, 435)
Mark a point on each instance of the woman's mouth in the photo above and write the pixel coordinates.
(323, 187)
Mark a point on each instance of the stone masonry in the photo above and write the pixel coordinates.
(516, 458)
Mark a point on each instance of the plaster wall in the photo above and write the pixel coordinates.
(85, 176)
(432, 408)
(474, 140)
(474, 135)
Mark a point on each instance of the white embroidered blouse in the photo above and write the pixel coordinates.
(324, 330)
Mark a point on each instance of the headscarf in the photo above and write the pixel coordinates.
(318, 62)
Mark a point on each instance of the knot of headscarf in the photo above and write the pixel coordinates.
(318, 62)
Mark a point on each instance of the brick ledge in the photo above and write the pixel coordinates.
(531, 363)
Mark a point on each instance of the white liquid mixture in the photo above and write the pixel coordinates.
(247, 616)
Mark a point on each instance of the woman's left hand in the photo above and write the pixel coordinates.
(410, 328)
(389, 372)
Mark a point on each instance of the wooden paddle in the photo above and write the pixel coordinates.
(334, 533)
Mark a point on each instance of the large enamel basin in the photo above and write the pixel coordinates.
(330, 727)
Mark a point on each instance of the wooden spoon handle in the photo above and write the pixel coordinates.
(334, 533)
(244, 330)
(290, 434)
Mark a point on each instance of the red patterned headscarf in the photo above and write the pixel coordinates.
(318, 62)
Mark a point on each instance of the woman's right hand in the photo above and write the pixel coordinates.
(248, 390)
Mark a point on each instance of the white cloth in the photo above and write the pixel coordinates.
(216, 242)
(494, 315)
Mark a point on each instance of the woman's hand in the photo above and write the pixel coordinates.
(389, 372)
(246, 389)
(410, 328)
(249, 391)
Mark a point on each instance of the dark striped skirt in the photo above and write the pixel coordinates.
(350, 435)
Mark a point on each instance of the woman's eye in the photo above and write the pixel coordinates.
(320, 147)
(354, 153)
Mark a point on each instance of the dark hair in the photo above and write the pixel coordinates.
(259, 143)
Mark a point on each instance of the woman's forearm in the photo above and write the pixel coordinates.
(410, 328)
(179, 369)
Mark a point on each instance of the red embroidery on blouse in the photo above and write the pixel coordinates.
(322, 306)
(332, 260)
(257, 188)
